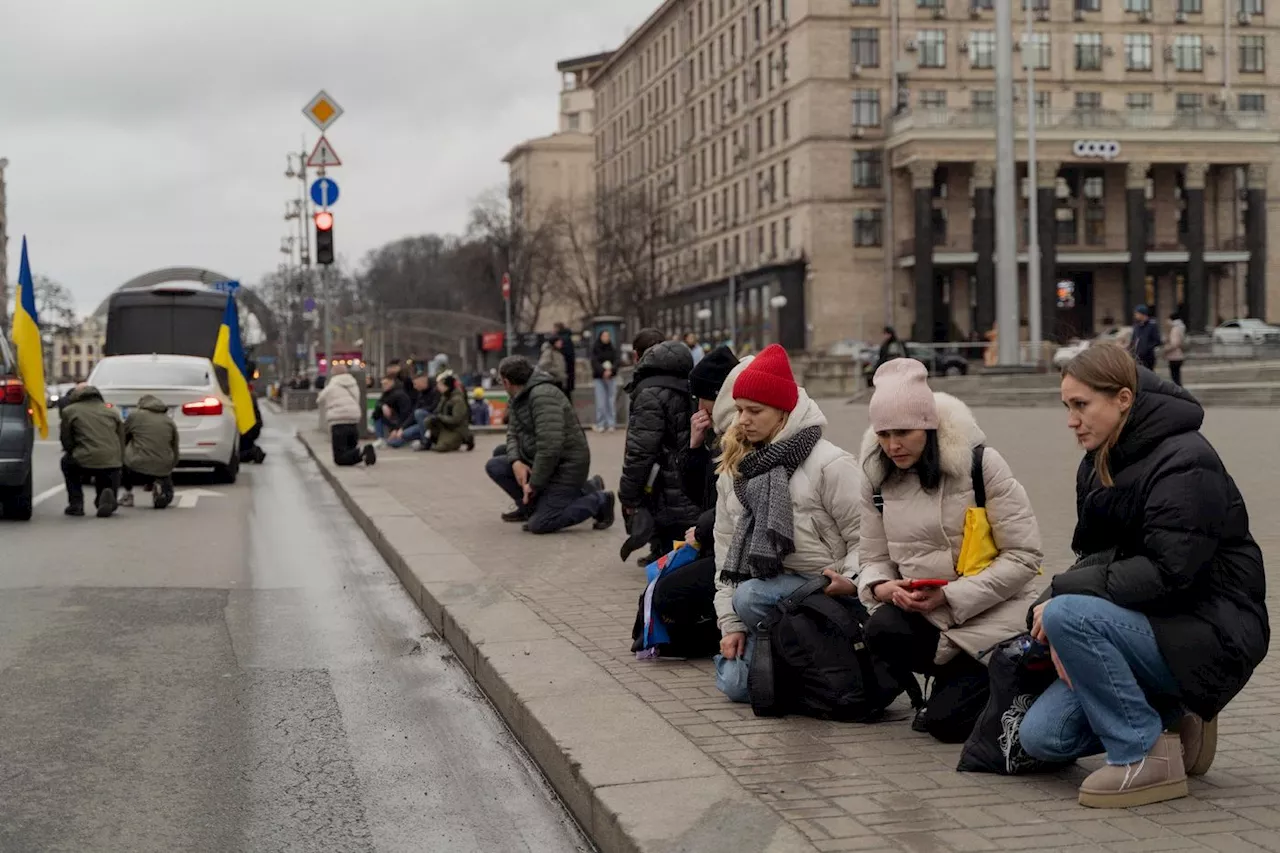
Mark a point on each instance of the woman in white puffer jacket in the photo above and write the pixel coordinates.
(787, 508)
(340, 410)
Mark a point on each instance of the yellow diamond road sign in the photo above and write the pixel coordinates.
(322, 110)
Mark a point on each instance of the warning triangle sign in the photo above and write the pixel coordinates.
(323, 156)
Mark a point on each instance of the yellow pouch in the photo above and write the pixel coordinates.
(978, 547)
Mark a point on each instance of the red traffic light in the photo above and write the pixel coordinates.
(324, 220)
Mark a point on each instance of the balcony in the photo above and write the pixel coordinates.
(959, 123)
(957, 248)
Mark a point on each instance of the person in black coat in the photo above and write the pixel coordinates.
(1162, 619)
(605, 361)
(394, 412)
(1146, 337)
(657, 432)
(684, 598)
(570, 357)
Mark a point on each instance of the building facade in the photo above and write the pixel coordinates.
(840, 153)
(554, 177)
(73, 353)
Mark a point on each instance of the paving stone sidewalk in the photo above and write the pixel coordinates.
(882, 787)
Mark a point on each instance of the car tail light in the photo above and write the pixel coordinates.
(207, 406)
(12, 391)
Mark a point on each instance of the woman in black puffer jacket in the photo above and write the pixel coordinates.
(657, 433)
(1162, 619)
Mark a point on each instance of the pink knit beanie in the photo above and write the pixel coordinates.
(902, 399)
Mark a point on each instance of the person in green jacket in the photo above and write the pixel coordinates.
(92, 435)
(150, 451)
(546, 462)
(449, 426)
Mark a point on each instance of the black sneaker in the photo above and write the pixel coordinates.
(162, 495)
(919, 722)
(471, 443)
(595, 484)
(516, 516)
(76, 510)
(369, 455)
(607, 514)
(106, 503)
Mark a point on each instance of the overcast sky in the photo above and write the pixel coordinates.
(152, 133)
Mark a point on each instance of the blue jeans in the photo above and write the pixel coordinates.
(1116, 671)
(752, 601)
(606, 403)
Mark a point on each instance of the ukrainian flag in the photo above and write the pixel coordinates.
(26, 337)
(229, 354)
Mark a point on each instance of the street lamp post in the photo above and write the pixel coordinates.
(1034, 295)
(1007, 319)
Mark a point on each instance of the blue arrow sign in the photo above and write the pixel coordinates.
(324, 192)
(226, 286)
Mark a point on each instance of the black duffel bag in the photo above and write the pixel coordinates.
(810, 659)
(1018, 672)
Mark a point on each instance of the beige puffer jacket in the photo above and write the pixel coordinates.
(339, 400)
(919, 534)
(825, 505)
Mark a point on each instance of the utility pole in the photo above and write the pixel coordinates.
(1007, 315)
(1034, 294)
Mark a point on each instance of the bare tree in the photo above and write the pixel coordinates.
(528, 252)
(576, 262)
(631, 232)
(54, 304)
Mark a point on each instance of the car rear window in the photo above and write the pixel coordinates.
(150, 374)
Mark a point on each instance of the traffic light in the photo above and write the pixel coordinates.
(324, 237)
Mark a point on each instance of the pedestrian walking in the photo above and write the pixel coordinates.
(551, 361)
(341, 411)
(1162, 620)
(695, 348)
(150, 452)
(1145, 339)
(605, 361)
(925, 465)
(786, 510)
(1173, 351)
(570, 354)
(92, 436)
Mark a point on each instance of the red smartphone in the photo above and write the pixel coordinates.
(929, 583)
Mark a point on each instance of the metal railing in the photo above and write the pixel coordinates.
(969, 118)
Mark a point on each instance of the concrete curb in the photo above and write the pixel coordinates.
(632, 780)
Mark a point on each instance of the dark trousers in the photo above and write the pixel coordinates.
(907, 643)
(346, 444)
(1175, 372)
(103, 479)
(131, 479)
(554, 508)
(1148, 361)
(684, 600)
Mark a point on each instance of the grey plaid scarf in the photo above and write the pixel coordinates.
(765, 535)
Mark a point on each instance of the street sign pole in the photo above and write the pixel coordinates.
(506, 299)
(325, 273)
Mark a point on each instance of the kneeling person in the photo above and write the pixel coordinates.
(150, 451)
(92, 437)
(449, 427)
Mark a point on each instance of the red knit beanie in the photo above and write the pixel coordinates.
(768, 380)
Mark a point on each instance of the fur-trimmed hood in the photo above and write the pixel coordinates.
(958, 434)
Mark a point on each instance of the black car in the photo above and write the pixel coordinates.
(16, 440)
(940, 363)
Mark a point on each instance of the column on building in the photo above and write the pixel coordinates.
(1195, 306)
(1136, 228)
(922, 198)
(984, 244)
(1046, 231)
(1256, 242)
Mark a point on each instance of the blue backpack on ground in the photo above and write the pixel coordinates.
(652, 632)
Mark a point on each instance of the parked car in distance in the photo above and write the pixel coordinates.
(57, 394)
(16, 440)
(188, 386)
(1246, 331)
(939, 362)
(1070, 350)
(847, 348)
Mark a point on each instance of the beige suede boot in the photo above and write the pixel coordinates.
(1157, 778)
(1199, 743)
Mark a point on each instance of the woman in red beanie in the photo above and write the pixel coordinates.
(787, 510)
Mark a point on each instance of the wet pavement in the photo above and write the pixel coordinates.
(242, 673)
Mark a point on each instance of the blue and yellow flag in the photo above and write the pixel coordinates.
(26, 337)
(229, 354)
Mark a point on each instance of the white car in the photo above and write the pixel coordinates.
(188, 385)
(1066, 352)
(1247, 331)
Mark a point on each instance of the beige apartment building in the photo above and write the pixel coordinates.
(554, 175)
(73, 353)
(840, 154)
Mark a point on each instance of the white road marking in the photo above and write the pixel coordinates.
(46, 494)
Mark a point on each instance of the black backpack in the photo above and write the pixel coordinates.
(810, 659)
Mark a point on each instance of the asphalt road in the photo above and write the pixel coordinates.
(240, 674)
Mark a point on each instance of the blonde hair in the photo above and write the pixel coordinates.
(734, 447)
(1107, 368)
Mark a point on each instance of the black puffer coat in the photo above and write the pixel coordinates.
(1183, 555)
(698, 469)
(658, 431)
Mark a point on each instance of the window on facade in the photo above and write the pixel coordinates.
(1250, 7)
(1253, 54)
(786, 179)
(1188, 53)
(1095, 210)
(786, 121)
(773, 128)
(1037, 51)
(868, 227)
(1137, 5)
(1088, 5)
(759, 133)
(1088, 51)
(864, 2)
(933, 99)
(982, 48)
(864, 43)
(1088, 100)
(1189, 102)
(987, 5)
(931, 4)
(1141, 102)
(983, 101)
(867, 168)
(1190, 7)
(1137, 51)
(1252, 103)
(866, 107)
(933, 48)
(786, 232)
